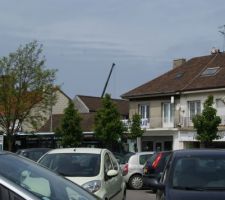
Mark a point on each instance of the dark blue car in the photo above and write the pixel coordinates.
(193, 175)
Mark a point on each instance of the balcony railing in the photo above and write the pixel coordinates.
(187, 121)
(144, 123)
(158, 122)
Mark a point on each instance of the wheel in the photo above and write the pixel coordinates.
(136, 182)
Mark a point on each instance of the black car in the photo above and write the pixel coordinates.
(33, 153)
(193, 174)
(153, 167)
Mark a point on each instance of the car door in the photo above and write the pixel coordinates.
(118, 179)
(7, 194)
(110, 182)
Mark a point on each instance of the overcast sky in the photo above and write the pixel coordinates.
(82, 38)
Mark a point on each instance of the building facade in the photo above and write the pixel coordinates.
(168, 103)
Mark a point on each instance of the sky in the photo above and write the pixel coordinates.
(82, 38)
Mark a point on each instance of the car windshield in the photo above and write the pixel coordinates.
(39, 181)
(73, 164)
(200, 172)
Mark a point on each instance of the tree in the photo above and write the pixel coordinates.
(108, 125)
(70, 129)
(26, 89)
(135, 129)
(207, 123)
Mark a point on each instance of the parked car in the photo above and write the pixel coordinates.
(133, 169)
(153, 168)
(23, 179)
(96, 170)
(193, 174)
(123, 158)
(33, 153)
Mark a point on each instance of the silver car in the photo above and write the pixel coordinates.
(133, 169)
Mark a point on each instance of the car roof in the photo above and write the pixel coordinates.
(34, 149)
(186, 152)
(77, 150)
(144, 152)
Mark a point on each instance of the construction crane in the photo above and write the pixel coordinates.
(103, 93)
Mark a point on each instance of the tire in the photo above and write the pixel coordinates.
(136, 182)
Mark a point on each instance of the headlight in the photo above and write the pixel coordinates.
(92, 186)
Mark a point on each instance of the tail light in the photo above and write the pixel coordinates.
(156, 161)
(125, 169)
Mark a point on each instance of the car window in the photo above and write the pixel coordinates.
(107, 163)
(114, 162)
(39, 181)
(144, 158)
(73, 164)
(208, 172)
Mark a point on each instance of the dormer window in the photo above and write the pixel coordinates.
(210, 71)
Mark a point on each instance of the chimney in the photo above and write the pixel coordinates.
(215, 50)
(178, 62)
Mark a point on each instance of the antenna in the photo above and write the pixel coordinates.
(223, 33)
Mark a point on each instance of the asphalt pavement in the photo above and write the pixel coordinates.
(140, 195)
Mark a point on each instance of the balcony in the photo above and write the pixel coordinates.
(186, 122)
(151, 123)
(158, 122)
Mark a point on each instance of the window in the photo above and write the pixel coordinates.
(144, 158)
(210, 71)
(144, 111)
(194, 108)
(179, 75)
(108, 164)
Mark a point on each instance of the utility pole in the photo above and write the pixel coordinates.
(222, 31)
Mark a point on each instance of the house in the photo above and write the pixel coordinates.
(167, 103)
(87, 106)
(44, 135)
(62, 101)
(91, 104)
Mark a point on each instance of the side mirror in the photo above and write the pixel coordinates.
(112, 173)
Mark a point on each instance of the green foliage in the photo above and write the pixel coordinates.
(108, 125)
(207, 123)
(70, 130)
(135, 130)
(25, 84)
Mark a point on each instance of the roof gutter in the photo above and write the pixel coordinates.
(151, 95)
(203, 91)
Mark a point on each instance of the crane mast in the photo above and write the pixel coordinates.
(103, 93)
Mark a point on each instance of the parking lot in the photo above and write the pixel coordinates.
(140, 195)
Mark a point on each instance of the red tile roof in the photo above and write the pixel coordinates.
(94, 104)
(187, 77)
(87, 122)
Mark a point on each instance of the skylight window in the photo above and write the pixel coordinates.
(211, 71)
(179, 75)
